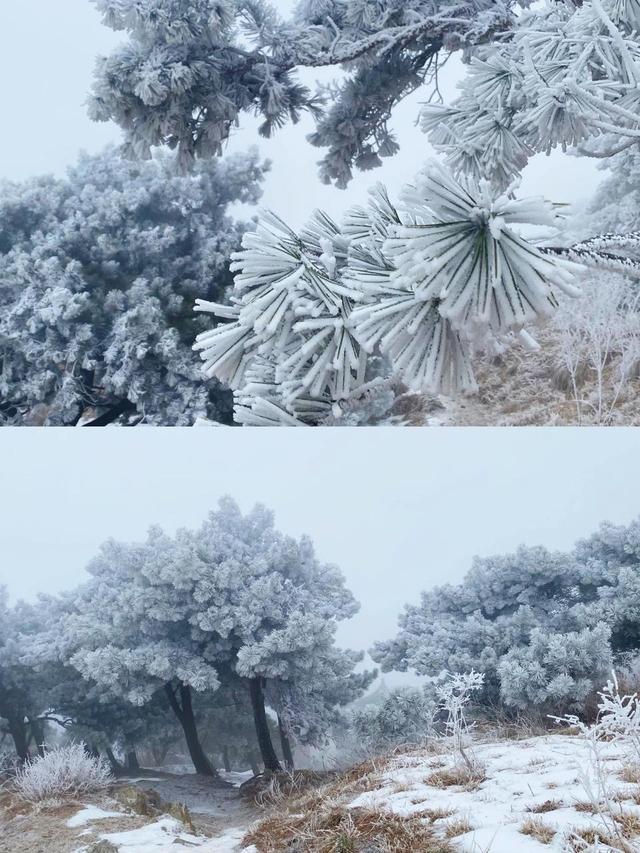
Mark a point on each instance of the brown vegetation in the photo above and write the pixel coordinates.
(547, 806)
(538, 829)
(316, 818)
(457, 775)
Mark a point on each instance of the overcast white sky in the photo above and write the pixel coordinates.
(47, 54)
(399, 510)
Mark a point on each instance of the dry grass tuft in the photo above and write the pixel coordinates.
(459, 776)
(627, 794)
(597, 838)
(585, 807)
(273, 788)
(538, 829)
(459, 826)
(631, 773)
(433, 814)
(547, 806)
(334, 828)
(629, 823)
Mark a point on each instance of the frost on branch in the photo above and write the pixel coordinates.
(190, 69)
(568, 77)
(617, 721)
(290, 343)
(416, 284)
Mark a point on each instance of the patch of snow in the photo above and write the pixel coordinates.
(157, 836)
(90, 813)
(236, 777)
(227, 843)
(166, 835)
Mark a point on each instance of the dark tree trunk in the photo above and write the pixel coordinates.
(183, 710)
(93, 750)
(36, 734)
(116, 767)
(269, 757)
(225, 758)
(18, 731)
(287, 752)
(131, 760)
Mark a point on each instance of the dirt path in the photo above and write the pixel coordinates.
(216, 806)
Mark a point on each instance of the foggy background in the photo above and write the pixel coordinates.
(399, 510)
(47, 56)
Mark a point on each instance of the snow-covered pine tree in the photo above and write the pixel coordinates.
(16, 699)
(234, 601)
(130, 637)
(311, 701)
(99, 274)
(544, 627)
(188, 70)
(273, 609)
(405, 715)
(29, 672)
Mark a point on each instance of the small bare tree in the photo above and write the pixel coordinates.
(454, 695)
(600, 334)
(618, 721)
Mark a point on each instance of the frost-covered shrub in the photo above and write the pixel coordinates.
(406, 715)
(9, 762)
(454, 695)
(99, 274)
(68, 771)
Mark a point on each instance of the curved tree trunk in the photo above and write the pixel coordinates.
(287, 752)
(183, 709)
(269, 757)
(116, 767)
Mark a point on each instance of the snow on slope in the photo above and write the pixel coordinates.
(541, 778)
(521, 776)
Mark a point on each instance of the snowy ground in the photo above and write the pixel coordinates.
(540, 779)
(523, 779)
